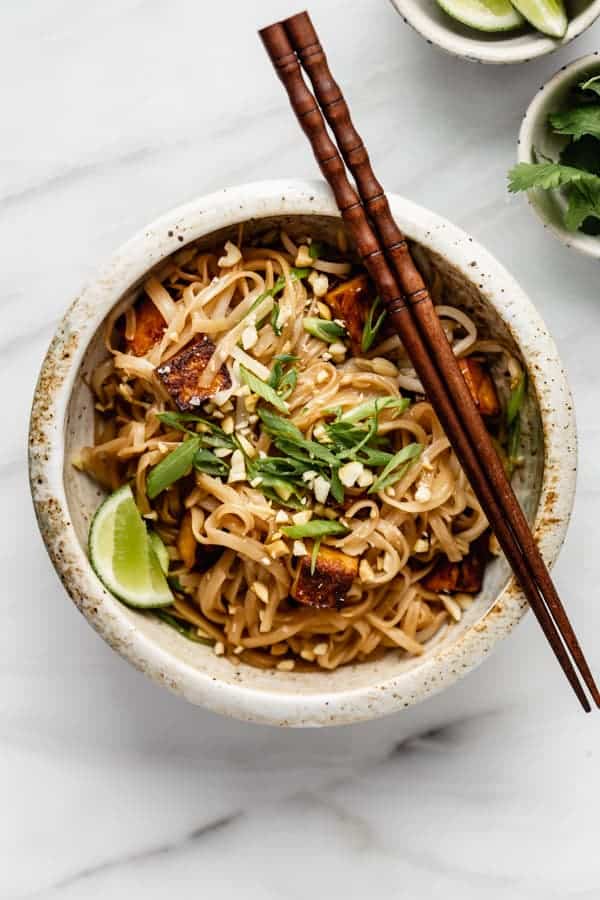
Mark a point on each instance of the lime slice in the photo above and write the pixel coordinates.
(548, 16)
(161, 551)
(484, 15)
(126, 559)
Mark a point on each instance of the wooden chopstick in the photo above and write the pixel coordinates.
(305, 42)
(284, 59)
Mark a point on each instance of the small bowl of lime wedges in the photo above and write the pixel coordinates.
(559, 155)
(499, 31)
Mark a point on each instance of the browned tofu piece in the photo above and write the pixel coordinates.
(181, 374)
(149, 327)
(351, 301)
(331, 581)
(481, 386)
(465, 576)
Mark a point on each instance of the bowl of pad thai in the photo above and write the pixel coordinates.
(244, 487)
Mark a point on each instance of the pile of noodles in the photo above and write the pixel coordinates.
(241, 602)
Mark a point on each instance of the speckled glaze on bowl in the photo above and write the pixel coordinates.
(503, 47)
(65, 499)
(536, 139)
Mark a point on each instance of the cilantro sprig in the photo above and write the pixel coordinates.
(577, 171)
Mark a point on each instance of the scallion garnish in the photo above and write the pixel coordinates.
(283, 382)
(515, 401)
(211, 434)
(264, 390)
(275, 319)
(396, 468)
(315, 249)
(314, 555)
(295, 275)
(323, 329)
(206, 461)
(173, 467)
(316, 528)
(372, 328)
(186, 630)
(372, 407)
(289, 439)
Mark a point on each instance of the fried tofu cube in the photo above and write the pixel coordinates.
(149, 327)
(181, 374)
(327, 587)
(481, 386)
(350, 302)
(465, 576)
(443, 577)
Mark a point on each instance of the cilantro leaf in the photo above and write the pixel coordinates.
(547, 176)
(583, 202)
(577, 121)
(583, 154)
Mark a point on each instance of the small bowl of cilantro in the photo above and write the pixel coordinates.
(559, 155)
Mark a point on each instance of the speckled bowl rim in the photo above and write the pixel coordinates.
(498, 52)
(46, 455)
(583, 243)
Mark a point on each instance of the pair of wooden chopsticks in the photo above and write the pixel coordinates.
(386, 256)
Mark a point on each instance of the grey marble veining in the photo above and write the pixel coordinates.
(111, 787)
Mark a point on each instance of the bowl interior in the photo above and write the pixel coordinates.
(538, 143)
(520, 45)
(83, 496)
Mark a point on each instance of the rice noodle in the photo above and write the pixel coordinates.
(242, 599)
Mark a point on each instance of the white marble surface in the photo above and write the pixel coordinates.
(110, 787)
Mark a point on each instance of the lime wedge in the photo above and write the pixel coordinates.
(548, 16)
(484, 15)
(128, 561)
(161, 551)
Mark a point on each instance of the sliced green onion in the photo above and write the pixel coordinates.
(313, 556)
(206, 461)
(316, 528)
(211, 433)
(187, 631)
(264, 390)
(392, 473)
(372, 407)
(275, 319)
(315, 249)
(289, 439)
(337, 488)
(308, 451)
(173, 467)
(515, 401)
(278, 427)
(295, 275)
(288, 383)
(323, 329)
(277, 372)
(371, 329)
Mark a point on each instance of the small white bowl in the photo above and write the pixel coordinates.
(65, 499)
(426, 17)
(536, 136)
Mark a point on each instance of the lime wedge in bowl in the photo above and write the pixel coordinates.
(484, 15)
(124, 556)
(548, 16)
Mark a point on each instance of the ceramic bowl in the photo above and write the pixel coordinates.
(536, 139)
(65, 499)
(430, 21)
